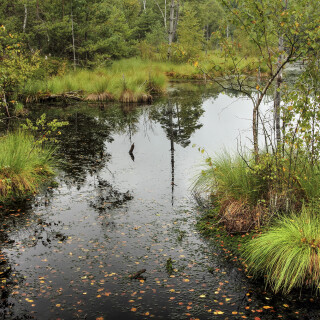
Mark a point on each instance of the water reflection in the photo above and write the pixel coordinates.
(81, 148)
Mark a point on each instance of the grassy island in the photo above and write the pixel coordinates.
(128, 80)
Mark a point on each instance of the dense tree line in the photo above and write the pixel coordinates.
(87, 30)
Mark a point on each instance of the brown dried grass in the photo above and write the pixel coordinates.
(129, 97)
(97, 97)
(238, 216)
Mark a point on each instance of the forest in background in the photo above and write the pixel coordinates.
(86, 31)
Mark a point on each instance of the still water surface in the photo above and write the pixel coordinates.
(72, 249)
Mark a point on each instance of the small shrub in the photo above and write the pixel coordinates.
(288, 254)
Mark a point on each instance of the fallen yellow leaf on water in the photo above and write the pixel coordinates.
(218, 312)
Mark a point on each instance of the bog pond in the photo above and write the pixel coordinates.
(69, 253)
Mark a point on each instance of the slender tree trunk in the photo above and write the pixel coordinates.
(171, 27)
(144, 2)
(4, 99)
(277, 97)
(38, 10)
(207, 37)
(255, 120)
(25, 18)
(73, 41)
(86, 34)
(165, 14)
(175, 26)
(62, 9)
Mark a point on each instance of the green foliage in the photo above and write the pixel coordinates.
(42, 130)
(15, 68)
(301, 113)
(154, 46)
(26, 160)
(24, 164)
(169, 266)
(190, 37)
(101, 27)
(19, 109)
(287, 254)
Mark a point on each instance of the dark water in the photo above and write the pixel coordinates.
(72, 249)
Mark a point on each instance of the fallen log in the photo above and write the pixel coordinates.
(137, 274)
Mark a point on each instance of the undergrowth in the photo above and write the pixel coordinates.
(249, 194)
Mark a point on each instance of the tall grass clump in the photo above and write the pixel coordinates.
(236, 188)
(24, 164)
(288, 253)
(228, 175)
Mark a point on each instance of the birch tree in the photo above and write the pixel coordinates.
(277, 98)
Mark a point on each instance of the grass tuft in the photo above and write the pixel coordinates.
(23, 165)
(287, 255)
(228, 176)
